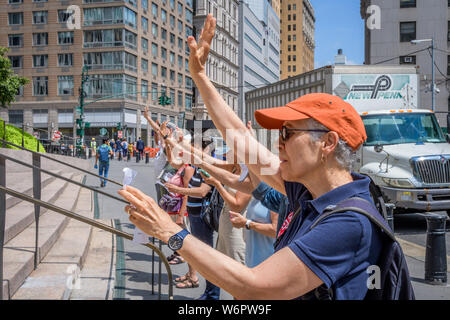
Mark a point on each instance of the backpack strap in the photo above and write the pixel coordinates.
(361, 206)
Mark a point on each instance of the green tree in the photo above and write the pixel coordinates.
(9, 82)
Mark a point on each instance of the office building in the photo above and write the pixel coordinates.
(389, 28)
(135, 50)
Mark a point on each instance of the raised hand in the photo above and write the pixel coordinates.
(199, 51)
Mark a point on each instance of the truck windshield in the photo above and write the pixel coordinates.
(401, 128)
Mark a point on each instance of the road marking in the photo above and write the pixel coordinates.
(416, 251)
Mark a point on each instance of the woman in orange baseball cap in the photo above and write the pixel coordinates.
(319, 134)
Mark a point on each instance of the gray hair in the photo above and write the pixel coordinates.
(344, 154)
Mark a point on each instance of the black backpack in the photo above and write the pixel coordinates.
(211, 209)
(395, 282)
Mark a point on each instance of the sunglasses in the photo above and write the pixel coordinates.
(284, 132)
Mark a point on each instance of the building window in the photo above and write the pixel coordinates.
(407, 3)
(180, 79)
(144, 45)
(15, 40)
(180, 26)
(16, 61)
(144, 65)
(154, 49)
(154, 91)
(40, 86)
(130, 62)
(163, 53)
(65, 37)
(180, 61)
(154, 10)
(144, 4)
(64, 15)
(104, 60)
(188, 102)
(163, 15)
(163, 72)
(180, 8)
(180, 99)
(40, 39)
(172, 21)
(407, 59)
(40, 116)
(154, 69)
(15, 18)
(40, 17)
(172, 75)
(15, 1)
(144, 23)
(15, 116)
(65, 60)
(155, 30)
(172, 39)
(65, 85)
(40, 61)
(163, 34)
(407, 31)
(144, 89)
(180, 43)
(172, 57)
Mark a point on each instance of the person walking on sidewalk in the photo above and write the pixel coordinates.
(140, 147)
(103, 153)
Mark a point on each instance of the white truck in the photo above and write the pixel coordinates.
(406, 154)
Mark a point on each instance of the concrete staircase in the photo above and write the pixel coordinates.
(64, 244)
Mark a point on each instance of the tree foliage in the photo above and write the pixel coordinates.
(9, 82)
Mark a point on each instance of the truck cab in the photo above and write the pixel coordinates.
(407, 156)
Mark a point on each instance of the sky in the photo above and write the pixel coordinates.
(338, 26)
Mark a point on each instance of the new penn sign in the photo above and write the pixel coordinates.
(366, 91)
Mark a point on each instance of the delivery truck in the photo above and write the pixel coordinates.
(406, 155)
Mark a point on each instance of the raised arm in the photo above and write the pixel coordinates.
(226, 121)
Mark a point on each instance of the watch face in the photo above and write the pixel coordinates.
(175, 242)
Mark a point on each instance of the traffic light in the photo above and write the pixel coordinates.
(119, 127)
(164, 100)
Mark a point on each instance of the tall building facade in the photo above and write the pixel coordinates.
(222, 65)
(259, 48)
(297, 22)
(134, 51)
(390, 27)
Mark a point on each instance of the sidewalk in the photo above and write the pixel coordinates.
(415, 258)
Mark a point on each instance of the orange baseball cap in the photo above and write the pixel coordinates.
(331, 111)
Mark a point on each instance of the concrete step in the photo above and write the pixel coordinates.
(21, 215)
(58, 273)
(23, 182)
(18, 260)
(97, 277)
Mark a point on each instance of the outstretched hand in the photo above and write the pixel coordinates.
(147, 215)
(199, 51)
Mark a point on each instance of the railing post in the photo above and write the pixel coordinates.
(23, 133)
(159, 275)
(37, 208)
(436, 253)
(4, 133)
(153, 267)
(2, 219)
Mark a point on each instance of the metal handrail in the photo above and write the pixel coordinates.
(61, 162)
(62, 178)
(93, 223)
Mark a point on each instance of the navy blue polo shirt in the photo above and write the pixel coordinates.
(341, 247)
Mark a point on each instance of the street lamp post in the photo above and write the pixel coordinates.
(432, 69)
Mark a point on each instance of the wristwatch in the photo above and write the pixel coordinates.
(176, 241)
(247, 224)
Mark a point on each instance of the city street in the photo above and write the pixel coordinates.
(134, 278)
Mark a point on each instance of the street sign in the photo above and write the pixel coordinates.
(57, 135)
(119, 134)
(103, 132)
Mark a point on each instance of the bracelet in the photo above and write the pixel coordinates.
(247, 224)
